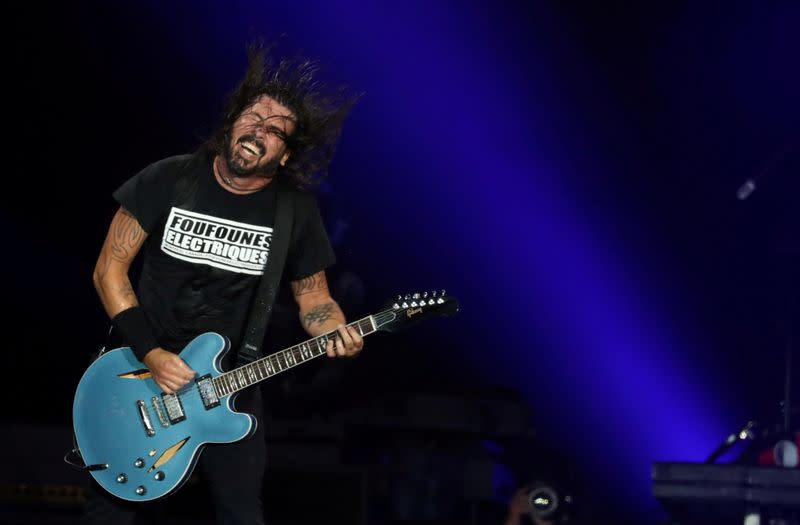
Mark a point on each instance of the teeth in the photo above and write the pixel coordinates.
(252, 148)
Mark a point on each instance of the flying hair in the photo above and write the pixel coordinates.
(320, 111)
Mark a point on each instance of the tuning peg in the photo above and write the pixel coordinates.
(424, 295)
(407, 297)
(433, 293)
(398, 298)
(415, 296)
(442, 293)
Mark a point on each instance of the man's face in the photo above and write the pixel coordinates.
(256, 146)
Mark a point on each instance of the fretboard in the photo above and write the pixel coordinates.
(266, 367)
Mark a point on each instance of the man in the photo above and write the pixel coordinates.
(205, 222)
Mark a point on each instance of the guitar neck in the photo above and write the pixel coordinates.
(247, 375)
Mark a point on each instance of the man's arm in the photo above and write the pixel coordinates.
(320, 314)
(124, 240)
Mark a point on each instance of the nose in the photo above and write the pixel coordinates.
(258, 130)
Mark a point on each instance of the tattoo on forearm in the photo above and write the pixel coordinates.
(319, 314)
(312, 283)
(125, 235)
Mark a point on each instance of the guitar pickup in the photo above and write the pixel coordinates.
(174, 408)
(205, 385)
(158, 407)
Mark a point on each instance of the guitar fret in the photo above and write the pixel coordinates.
(232, 381)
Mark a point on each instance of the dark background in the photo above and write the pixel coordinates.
(496, 150)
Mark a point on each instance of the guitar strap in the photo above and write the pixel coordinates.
(264, 300)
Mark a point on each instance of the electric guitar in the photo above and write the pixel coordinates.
(141, 444)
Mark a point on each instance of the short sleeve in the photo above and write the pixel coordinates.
(147, 195)
(310, 251)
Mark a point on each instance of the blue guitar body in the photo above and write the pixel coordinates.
(141, 444)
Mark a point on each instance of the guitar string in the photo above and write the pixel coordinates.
(190, 390)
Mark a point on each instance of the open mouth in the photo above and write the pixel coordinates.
(251, 148)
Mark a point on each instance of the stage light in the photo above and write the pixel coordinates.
(548, 502)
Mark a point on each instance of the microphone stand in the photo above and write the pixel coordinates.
(787, 393)
(748, 432)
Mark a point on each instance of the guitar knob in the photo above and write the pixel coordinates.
(141, 490)
(159, 476)
(139, 463)
(122, 478)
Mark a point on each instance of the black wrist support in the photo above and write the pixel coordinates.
(136, 331)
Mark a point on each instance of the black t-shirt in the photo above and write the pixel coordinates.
(207, 248)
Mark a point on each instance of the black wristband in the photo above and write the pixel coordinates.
(136, 331)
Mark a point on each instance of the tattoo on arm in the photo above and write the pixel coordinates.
(310, 284)
(319, 314)
(125, 236)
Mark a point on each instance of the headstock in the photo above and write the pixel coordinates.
(410, 308)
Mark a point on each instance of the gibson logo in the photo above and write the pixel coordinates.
(413, 311)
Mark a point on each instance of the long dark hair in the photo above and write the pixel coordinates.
(320, 111)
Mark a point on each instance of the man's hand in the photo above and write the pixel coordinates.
(169, 371)
(348, 343)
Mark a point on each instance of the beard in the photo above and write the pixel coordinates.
(238, 165)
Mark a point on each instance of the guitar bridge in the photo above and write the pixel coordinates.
(145, 416)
